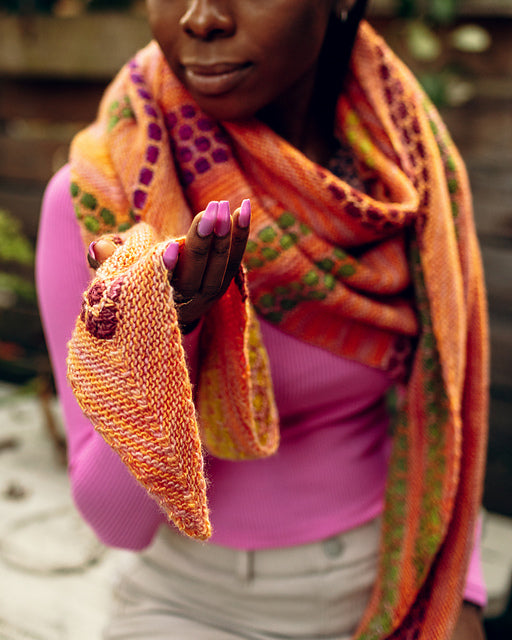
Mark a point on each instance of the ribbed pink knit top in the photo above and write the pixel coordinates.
(328, 476)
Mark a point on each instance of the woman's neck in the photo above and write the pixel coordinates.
(305, 115)
(304, 120)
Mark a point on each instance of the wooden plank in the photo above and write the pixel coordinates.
(482, 128)
(92, 45)
(48, 99)
(486, 7)
(95, 45)
(29, 159)
(24, 203)
(501, 354)
(498, 276)
(498, 479)
(492, 195)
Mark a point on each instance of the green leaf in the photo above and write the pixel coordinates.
(471, 38)
(442, 11)
(18, 286)
(14, 246)
(423, 43)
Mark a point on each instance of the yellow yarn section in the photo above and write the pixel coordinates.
(227, 373)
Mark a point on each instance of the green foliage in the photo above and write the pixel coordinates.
(14, 246)
(22, 349)
(440, 11)
(16, 288)
(432, 36)
(16, 253)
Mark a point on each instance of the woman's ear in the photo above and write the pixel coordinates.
(342, 8)
(352, 10)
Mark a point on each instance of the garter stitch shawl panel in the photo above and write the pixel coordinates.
(362, 274)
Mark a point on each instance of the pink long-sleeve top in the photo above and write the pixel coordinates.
(328, 475)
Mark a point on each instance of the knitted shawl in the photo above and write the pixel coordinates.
(362, 273)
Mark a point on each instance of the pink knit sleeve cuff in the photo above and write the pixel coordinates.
(475, 591)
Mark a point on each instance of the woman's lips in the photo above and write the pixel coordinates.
(215, 79)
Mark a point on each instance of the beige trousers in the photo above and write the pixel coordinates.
(187, 590)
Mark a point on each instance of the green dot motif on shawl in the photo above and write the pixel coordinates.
(120, 110)
(315, 283)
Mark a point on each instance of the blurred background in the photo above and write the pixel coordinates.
(56, 57)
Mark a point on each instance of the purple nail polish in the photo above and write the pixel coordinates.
(170, 256)
(223, 224)
(208, 219)
(92, 253)
(245, 214)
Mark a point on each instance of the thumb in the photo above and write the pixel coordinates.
(99, 251)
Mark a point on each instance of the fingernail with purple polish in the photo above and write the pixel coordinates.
(170, 256)
(92, 253)
(208, 219)
(223, 224)
(245, 214)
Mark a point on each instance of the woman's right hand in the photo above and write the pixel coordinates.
(209, 259)
(201, 270)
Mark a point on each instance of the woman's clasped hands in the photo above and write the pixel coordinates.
(202, 268)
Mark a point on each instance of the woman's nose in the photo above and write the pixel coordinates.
(208, 19)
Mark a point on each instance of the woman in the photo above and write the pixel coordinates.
(361, 275)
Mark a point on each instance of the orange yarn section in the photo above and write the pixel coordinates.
(127, 367)
(364, 273)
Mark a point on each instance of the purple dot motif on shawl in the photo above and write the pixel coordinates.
(402, 110)
(384, 72)
(171, 120)
(136, 78)
(152, 154)
(220, 155)
(201, 165)
(145, 176)
(352, 210)
(151, 111)
(374, 214)
(104, 325)
(185, 132)
(336, 192)
(221, 137)
(95, 293)
(188, 111)
(139, 198)
(205, 124)
(115, 289)
(184, 154)
(144, 94)
(202, 143)
(420, 148)
(187, 177)
(154, 131)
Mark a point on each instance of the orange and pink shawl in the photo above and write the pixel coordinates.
(361, 274)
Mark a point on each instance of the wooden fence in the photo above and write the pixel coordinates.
(53, 71)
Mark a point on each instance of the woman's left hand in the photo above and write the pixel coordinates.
(469, 625)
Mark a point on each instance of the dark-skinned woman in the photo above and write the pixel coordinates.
(279, 239)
